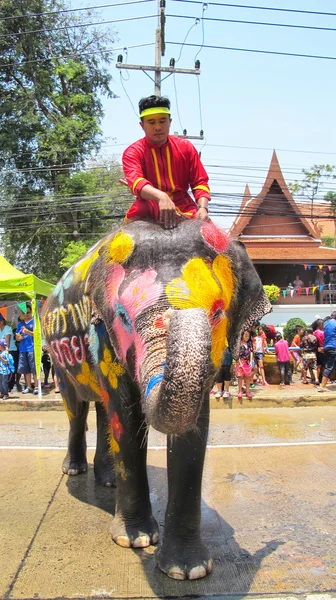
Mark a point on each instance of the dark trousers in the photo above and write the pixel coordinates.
(3, 385)
(285, 369)
(14, 378)
(330, 354)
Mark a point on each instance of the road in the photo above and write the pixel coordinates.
(268, 512)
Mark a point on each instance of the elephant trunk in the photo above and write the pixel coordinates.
(173, 399)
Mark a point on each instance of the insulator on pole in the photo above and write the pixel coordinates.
(120, 58)
(172, 62)
(197, 64)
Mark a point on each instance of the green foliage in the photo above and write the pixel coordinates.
(52, 80)
(272, 292)
(313, 183)
(290, 328)
(71, 253)
(329, 241)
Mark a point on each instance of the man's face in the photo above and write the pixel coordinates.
(156, 128)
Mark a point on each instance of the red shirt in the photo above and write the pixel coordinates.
(172, 168)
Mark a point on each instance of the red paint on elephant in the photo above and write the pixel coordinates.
(215, 237)
(116, 426)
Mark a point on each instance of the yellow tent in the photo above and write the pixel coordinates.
(13, 281)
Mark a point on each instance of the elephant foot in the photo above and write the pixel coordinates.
(136, 533)
(184, 560)
(74, 465)
(104, 471)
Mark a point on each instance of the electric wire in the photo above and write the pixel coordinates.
(254, 50)
(275, 9)
(71, 10)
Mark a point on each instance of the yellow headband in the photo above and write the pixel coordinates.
(155, 111)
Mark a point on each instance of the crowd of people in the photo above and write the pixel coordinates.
(17, 359)
(313, 350)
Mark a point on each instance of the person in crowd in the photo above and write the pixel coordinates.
(160, 168)
(283, 359)
(224, 376)
(259, 348)
(296, 343)
(244, 365)
(46, 365)
(4, 369)
(298, 283)
(25, 335)
(329, 350)
(318, 329)
(7, 334)
(290, 286)
(309, 345)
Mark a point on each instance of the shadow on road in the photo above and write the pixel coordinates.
(234, 567)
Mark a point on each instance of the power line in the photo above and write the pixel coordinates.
(71, 10)
(256, 23)
(81, 25)
(62, 56)
(287, 10)
(212, 47)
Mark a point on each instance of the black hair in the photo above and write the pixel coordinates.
(153, 102)
(315, 325)
(333, 315)
(278, 335)
(298, 327)
(309, 330)
(29, 307)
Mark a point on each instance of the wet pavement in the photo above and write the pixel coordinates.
(269, 505)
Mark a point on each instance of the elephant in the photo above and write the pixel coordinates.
(139, 325)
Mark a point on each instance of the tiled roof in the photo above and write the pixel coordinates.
(318, 255)
(326, 226)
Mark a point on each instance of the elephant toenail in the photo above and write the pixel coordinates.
(123, 540)
(176, 573)
(210, 565)
(197, 572)
(155, 538)
(72, 472)
(141, 542)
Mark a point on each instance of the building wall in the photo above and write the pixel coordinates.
(282, 313)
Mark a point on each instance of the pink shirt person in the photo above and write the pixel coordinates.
(281, 350)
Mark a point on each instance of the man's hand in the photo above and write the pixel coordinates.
(168, 216)
(202, 214)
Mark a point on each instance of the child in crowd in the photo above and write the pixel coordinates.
(244, 365)
(4, 370)
(296, 342)
(318, 329)
(309, 345)
(224, 376)
(283, 358)
(46, 364)
(259, 349)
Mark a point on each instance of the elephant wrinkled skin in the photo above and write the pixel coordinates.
(139, 325)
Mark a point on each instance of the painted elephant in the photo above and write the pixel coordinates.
(139, 325)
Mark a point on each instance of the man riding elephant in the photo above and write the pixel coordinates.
(160, 168)
(139, 325)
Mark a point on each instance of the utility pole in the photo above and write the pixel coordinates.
(157, 68)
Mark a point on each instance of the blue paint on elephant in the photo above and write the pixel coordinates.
(124, 317)
(152, 382)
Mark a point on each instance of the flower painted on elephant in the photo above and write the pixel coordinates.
(140, 293)
(111, 369)
(116, 426)
(88, 377)
(214, 237)
(103, 394)
(121, 247)
(209, 287)
(62, 285)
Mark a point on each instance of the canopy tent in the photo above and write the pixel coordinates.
(13, 281)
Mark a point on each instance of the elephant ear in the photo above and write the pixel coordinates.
(250, 303)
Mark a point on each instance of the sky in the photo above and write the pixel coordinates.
(251, 103)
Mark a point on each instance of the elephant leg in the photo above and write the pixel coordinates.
(133, 524)
(182, 554)
(103, 461)
(75, 461)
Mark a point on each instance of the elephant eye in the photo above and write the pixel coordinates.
(124, 317)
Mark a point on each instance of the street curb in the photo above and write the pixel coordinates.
(271, 401)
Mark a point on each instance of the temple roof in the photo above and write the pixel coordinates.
(274, 191)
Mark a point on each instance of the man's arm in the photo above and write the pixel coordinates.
(198, 179)
(140, 186)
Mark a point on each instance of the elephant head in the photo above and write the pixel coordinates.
(172, 300)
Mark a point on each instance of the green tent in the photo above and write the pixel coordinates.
(13, 281)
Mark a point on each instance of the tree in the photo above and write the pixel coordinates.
(53, 73)
(312, 183)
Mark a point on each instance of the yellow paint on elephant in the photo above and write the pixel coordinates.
(121, 247)
(114, 446)
(81, 268)
(68, 411)
(120, 468)
(207, 286)
(110, 369)
(88, 377)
